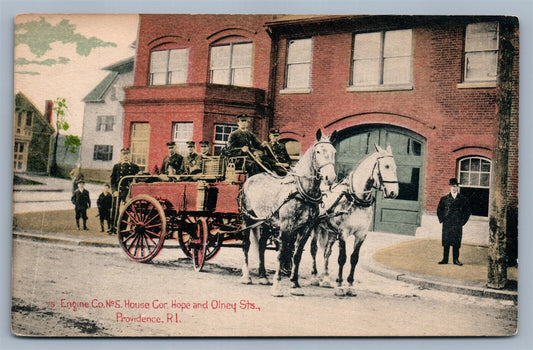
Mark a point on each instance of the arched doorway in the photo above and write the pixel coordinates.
(400, 215)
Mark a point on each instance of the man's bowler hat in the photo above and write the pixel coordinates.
(454, 182)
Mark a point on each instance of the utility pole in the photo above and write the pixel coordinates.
(501, 220)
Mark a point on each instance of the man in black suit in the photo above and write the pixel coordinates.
(82, 202)
(453, 212)
(123, 168)
(242, 142)
(173, 164)
(278, 158)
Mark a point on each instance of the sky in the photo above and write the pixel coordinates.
(58, 55)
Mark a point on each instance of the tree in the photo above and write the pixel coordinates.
(72, 142)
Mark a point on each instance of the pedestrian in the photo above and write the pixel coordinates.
(104, 204)
(453, 212)
(173, 163)
(193, 161)
(82, 202)
(123, 168)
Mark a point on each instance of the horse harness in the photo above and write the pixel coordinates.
(353, 198)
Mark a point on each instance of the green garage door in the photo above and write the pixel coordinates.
(400, 215)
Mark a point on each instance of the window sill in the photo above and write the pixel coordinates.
(478, 85)
(295, 91)
(403, 87)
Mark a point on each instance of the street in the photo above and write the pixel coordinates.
(66, 290)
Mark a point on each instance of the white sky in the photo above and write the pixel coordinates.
(74, 80)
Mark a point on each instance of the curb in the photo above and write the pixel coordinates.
(63, 240)
(447, 285)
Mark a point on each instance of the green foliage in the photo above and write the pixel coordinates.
(60, 106)
(72, 143)
(38, 35)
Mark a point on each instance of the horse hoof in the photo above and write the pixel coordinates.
(314, 282)
(264, 281)
(276, 293)
(245, 280)
(297, 292)
(326, 284)
(351, 292)
(339, 291)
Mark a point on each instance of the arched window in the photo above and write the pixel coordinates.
(231, 62)
(474, 178)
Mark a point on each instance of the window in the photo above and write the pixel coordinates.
(293, 147)
(222, 132)
(103, 152)
(105, 122)
(299, 53)
(169, 67)
(382, 58)
(182, 132)
(231, 64)
(140, 141)
(29, 116)
(20, 156)
(474, 178)
(481, 52)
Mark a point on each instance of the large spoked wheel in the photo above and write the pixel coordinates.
(188, 233)
(198, 244)
(142, 228)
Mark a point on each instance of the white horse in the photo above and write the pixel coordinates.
(288, 205)
(348, 210)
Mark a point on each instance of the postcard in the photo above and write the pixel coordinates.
(242, 175)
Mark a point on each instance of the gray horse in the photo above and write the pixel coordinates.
(287, 206)
(347, 212)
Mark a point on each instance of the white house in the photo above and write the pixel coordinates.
(103, 121)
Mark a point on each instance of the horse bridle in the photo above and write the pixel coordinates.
(315, 165)
(369, 200)
(382, 181)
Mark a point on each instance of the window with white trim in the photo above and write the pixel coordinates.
(181, 133)
(103, 152)
(231, 64)
(140, 143)
(474, 179)
(169, 66)
(105, 122)
(298, 69)
(481, 52)
(382, 58)
(222, 132)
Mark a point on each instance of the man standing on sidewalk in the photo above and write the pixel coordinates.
(453, 212)
(82, 202)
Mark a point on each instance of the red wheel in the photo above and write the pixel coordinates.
(199, 243)
(188, 228)
(142, 228)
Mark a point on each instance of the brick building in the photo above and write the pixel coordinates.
(429, 86)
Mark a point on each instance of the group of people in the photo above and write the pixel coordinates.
(257, 156)
(176, 164)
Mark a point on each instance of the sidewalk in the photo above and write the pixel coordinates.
(394, 256)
